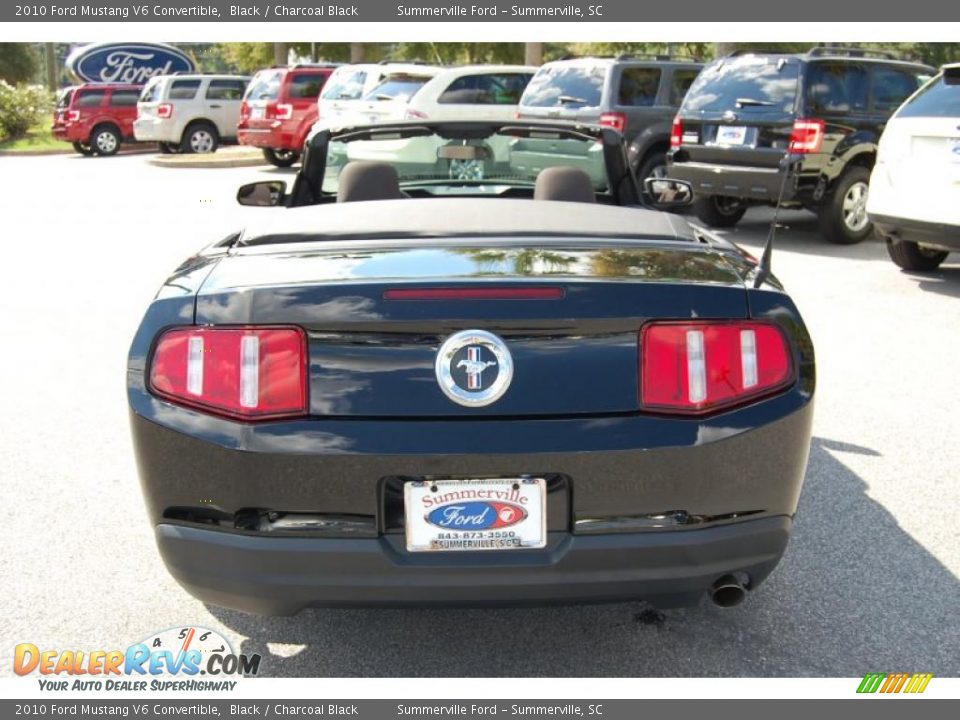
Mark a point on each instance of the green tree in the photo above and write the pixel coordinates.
(18, 62)
(454, 53)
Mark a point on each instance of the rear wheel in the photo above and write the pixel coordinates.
(83, 148)
(843, 215)
(654, 166)
(169, 148)
(911, 256)
(200, 138)
(719, 211)
(281, 158)
(105, 140)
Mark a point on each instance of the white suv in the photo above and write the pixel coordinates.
(189, 113)
(369, 93)
(914, 197)
(471, 92)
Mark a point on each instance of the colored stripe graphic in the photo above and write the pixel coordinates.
(473, 378)
(892, 683)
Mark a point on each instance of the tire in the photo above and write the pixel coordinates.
(105, 140)
(169, 148)
(201, 137)
(83, 148)
(843, 214)
(654, 165)
(910, 256)
(281, 158)
(719, 211)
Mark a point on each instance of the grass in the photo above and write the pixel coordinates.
(37, 138)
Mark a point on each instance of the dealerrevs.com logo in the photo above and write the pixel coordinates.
(184, 658)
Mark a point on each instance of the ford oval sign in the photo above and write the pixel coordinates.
(126, 62)
(476, 515)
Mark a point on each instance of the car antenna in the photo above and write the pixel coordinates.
(763, 269)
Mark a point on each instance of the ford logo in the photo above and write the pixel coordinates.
(126, 62)
(476, 515)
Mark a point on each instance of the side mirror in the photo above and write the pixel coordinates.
(666, 193)
(268, 193)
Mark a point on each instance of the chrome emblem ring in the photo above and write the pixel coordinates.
(474, 368)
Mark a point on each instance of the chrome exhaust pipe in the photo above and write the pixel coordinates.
(727, 592)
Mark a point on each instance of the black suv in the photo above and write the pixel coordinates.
(755, 127)
(636, 94)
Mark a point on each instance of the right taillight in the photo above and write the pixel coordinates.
(701, 367)
(249, 373)
(165, 110)
(806, 136)
(676, 133)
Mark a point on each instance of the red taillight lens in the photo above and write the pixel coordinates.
(165, 110)
(73, 115)
(615, 120)
(701, 367)
(244, 110)
(484, 293)
(676, 133)
(806, 136)
(284, 111)
(252, 373)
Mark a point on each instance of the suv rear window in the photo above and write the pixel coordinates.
(151, 93)
(183, 89)
(225, 89)
(638, 87)
(397, 87)
(491, 89)
(124, 98)
(305, 86)
(768, 82)
(63, 99)
(937, 99)
(570, 85)
(345, 85)
(265, 85)
(90, 98)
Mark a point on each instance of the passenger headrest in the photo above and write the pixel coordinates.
(368, 180)
(564, 183)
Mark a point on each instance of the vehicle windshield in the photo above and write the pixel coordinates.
(573, 86)
(397, 87)
(265, 85)
(491, 165)
(749, 83)
(937, 99)
(345, 85)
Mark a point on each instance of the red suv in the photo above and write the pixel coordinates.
(96, 117)
(279, 108)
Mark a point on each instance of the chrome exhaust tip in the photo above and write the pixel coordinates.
(727, 592)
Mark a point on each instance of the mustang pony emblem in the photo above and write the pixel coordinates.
(475, 367)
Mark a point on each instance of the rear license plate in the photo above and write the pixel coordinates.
(450, 515)
(256, 113)
(731, 135)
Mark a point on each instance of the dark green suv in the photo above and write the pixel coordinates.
(756, 127)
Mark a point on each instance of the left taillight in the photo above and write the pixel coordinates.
(73, 115)
(705, 366)
(249, 373)
(284, 111)
(806, 136)
(615, 120)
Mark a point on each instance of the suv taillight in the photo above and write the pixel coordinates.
(615, 120)
(806, 136)
(676, 133)
(250, 373)
(165, 110)
(284, 111)
(72, 115)
(704, 366)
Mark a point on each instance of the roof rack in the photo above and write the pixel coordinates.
(293, 66)
(404, 62)
(837, 51)
(666, 57)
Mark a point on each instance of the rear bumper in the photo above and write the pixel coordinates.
(753, 183)
(155, 130)
(71, 133)
(940, 235)
(274, 139)
(282, 575)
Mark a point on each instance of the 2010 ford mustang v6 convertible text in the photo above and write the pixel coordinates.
(469, 363)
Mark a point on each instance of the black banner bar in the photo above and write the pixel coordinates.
(481, 11)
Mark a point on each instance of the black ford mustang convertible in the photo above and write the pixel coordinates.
(469, 364)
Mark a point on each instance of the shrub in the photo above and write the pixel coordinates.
(21, 108)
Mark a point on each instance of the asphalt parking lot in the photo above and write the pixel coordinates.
(869, 583)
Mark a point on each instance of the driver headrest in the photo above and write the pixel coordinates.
(368, 180)
(564, 183)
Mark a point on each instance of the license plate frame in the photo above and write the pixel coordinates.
(732, 135)
(257, 113)
(475, 515)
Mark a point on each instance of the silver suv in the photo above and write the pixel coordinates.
(190, 113)
(639, 95)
